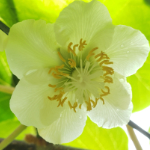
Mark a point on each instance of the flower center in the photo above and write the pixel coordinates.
(81, 83)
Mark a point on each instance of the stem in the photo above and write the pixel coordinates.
(134, 138)
(6, 89)
(4, 28)
(11, 137)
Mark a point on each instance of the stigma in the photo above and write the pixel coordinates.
(81, 82)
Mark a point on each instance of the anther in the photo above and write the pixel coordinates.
(82, 44)
(74, 105)
(70, 50)
(53, 86)
(72, 63)
(108, 91)
(91, 53)
(56, 76)
(105, 62)
(108, 79)
(102, 55)
(80, 106)
(108, 70)
(60, 56)
(89, 107)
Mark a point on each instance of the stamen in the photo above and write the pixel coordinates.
(74, 105)
(60, 67)
(91, 53)
(51, 70)
(60, 56)
(105, 93)
(105, 62)
(74, 47)
(82, 44)
(102, 100)
(94, 103)
(72, 63)
(53, 86)
(108, 70)
(102, 55)
(62, 102)
(56, 76)
(89, 107)
(80, 106)
(70, 50)
(108, 79)
(56, 89)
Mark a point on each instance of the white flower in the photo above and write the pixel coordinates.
(72, 69)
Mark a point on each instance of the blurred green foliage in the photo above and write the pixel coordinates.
(134, 13)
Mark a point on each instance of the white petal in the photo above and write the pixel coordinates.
(120, 92)
(109, 116)
(31, 45)
(128, 51)
(81, 20)
(30, 102)
(3, 40)
(117, 108)
(65, 129)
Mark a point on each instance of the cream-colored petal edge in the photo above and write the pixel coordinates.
(67, 128)
(128, 50)
(81, 20)
(30, 103)
(108, 116)
(31, 45)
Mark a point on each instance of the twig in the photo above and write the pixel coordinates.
(133, 125)
(11, 137)
(4, 28)
(134, 138)
(6, 89)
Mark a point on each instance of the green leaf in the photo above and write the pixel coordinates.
(97, 138)
(5, 79)
(8, 126)
(8, 12)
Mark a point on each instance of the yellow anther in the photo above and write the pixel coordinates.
(60, 56)
(82, 44)
(105, 62)
(105, 93)
(89, 107)
(60, 67)
(56, 76)
(91, 53)
(62, 102)
(72, 63)
(74, 105)
(74, 47)
(70, 49)
(57, 89)
(94, 102)
(108, 79)
(102, 56)
(51, 70)
(53, 98)
(80, 106)
(53, 86)
(102, 99)
(108, 70)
